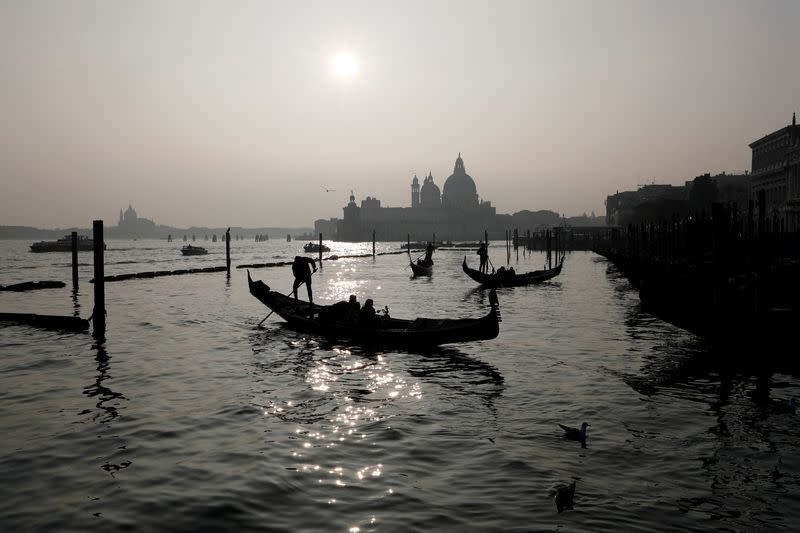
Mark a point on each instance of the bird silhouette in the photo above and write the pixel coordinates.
(565, 497)
(575, 433)
(327, 189)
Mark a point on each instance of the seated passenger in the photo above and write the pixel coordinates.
(367, 317)
(353, 309)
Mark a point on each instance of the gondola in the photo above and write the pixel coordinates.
(387, 331)
(508, 279)
(421, 268)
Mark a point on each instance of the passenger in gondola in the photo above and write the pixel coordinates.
(302, 274)
(353, 309)
(367, 317)
(343, 311)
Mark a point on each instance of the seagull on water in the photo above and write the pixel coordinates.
(565, 497)
(575, 433)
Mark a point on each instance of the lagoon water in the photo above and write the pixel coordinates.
(188, 416)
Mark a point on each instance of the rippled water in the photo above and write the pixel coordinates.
(190, 417)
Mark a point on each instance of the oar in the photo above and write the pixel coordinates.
(287, 294)
(270, 313)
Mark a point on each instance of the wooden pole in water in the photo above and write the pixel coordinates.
(228, 250)
(373, 244)
(320, 251)
(74, 259)
(409, 245)
(99, 313)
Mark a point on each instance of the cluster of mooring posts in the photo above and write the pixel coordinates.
(720, 274)
(562, 238)
(98, 317)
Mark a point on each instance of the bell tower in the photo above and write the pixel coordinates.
(415, 192)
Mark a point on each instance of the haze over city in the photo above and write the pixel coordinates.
(217, 114)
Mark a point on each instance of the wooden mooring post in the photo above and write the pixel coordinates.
(75, 259)
(373, 244)
(320, 251)
(409, 245)
(99, 313)
(228, 250)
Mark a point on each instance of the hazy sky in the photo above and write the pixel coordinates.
(234, 113)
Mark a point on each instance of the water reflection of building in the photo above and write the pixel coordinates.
(776, 171)
(454, 213)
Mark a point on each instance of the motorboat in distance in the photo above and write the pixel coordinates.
(64, 244)
(313, 247)
(193, 250)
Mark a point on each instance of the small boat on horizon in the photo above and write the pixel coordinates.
(64, 244)
(193, 250)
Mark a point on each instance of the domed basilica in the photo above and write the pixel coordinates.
(454, 213)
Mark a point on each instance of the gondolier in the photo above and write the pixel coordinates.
(302, 274)
(429, 254)
(483, 253)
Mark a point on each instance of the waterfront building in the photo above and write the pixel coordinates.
(328, 228)
(454, 213)
(776, 171)
(131, 225)
(627, 206)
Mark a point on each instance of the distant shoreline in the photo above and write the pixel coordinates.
(161, 232)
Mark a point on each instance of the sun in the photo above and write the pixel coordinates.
(344, 65)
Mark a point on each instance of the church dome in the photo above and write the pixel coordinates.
(429, 194)
(459, 189)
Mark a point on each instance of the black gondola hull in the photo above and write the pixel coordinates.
(496, 280)
(393, 331)
(421, 270)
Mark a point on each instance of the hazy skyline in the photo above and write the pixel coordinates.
(212, 113)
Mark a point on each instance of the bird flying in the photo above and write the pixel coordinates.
(328, 190)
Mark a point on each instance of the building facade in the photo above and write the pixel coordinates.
(130, 224)
(455, 213)
(776, 171)
(621, 208)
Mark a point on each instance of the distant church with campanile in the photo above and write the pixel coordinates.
(454, 213)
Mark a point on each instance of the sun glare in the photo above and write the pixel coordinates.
(344, 65)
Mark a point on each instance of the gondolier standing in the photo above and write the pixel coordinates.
(302, 274)
(484, 255)
(428, 254)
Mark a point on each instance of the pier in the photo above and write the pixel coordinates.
(721, 274)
